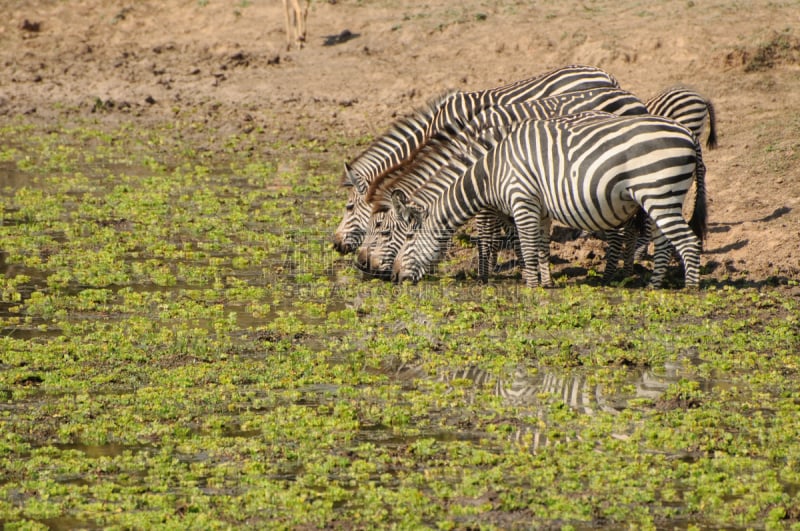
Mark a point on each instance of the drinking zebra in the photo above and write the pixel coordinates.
(403, 139)
(386, 231)
(591, 173)
(687, 107)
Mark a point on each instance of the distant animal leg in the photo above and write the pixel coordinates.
(295, 22)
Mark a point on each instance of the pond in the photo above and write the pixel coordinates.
(181, 347)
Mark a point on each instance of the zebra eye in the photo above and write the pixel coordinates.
(349, 207)
(378, 223)
(386, 233)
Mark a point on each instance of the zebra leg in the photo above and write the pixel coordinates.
(661, 257)
(638, 231)
(629, 248)
(543, 252)
(674, 230)
(528, 220)
(511, 241)
(643, 240)
(617, 240)
(488, 242)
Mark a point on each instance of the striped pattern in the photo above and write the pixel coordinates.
(687, 107)
(692, 110)
(533, 393)
(592, 174)
(572, 388)
(405, 137)
(386, 231)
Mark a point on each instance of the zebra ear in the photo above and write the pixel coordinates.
(409, 212)
(399, 200)
(351, 179)
(417, 215)
(401, 206)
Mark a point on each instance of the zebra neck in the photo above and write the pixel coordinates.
(469, 194)
(396, 146)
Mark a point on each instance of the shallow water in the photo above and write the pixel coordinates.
(242, 359)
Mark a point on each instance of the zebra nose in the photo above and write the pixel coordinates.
(338, 243)
(402, 276)
(362, 259)
(342, 246)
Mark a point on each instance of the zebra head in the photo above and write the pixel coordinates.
(422, 244)
(350, 232)
(388, 228)
(367, 259)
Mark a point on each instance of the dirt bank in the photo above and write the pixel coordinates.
(365, 62)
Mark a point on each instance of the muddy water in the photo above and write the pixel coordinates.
(300, 280)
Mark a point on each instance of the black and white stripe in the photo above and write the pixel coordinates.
(404, 138)
(687, 107)
(690, 109)
(591, 173)
(386, 231)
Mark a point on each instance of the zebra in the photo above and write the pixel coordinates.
(591, 173)
(386, 231)
(691, 109)
(687, 107)
(404, 137)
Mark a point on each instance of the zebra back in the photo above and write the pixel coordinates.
(572, 78)
(402, 140)
(687, 107)
(610, 100)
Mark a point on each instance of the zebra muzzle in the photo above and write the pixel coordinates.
(343, 245)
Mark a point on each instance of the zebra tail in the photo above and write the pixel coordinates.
(640, 221)
(711, 142)
(699, 220)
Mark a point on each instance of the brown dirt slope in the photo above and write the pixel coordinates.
(367, 61)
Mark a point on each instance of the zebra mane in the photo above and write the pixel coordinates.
(411, 175)
(417, 120)
(459, 148)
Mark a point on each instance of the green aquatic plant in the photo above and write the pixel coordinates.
(180, 342)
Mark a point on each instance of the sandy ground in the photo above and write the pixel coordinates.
(368, 61)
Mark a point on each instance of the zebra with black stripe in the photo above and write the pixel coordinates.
(387, 230)
(690, 109)
(687, 107)
(404, 138)
(592, 173)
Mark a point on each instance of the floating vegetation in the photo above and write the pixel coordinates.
(182, 348)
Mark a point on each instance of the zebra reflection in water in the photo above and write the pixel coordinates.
(538, 391)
